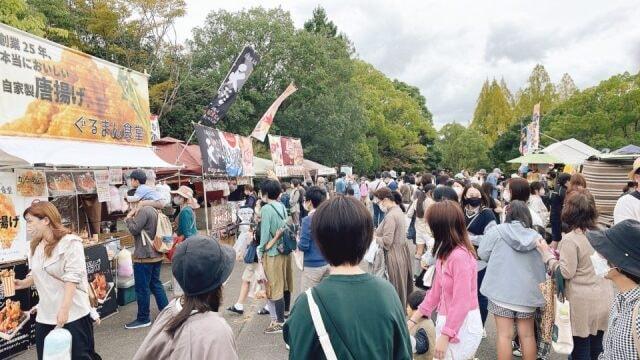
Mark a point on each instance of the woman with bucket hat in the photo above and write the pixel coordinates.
(190, 327)
(186, 220)
(617, 258)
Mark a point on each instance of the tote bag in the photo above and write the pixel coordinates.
(562, 338)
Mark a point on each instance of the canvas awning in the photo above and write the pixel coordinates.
(537, 158)
(571, 151)
(23, 151)
(319, 169)
(169, 149)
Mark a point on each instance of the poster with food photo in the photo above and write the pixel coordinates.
(31, 183)
(13, 242)
(100, 279)
(17, 323)
(60, 183)
(85, 182)
(8, 183)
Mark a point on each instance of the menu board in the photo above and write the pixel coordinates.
(102, 185)
(85, 182)
(115, 176)
(8, 183)
(60, 183)
(16, 336)
(101, 279)
(31, 183)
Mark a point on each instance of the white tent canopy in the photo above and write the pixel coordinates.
(571, 151)
(23, 151)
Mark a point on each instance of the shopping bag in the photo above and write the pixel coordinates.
(298, 257)
(370, 255)
(562, 338)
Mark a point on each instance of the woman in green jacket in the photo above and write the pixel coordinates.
(186, 223)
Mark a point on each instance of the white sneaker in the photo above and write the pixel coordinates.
(484, 333)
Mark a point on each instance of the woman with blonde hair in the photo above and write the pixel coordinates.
(59, 272)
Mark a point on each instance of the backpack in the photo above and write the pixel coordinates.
(285, 199)
(163, 231)
(303, 212)
(288, 241)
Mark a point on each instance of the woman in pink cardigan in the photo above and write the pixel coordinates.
(454, 291)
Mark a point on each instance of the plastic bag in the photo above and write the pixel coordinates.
(125, 263)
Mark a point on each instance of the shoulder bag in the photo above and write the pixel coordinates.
(318, 324)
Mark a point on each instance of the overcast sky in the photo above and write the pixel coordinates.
(448, 48)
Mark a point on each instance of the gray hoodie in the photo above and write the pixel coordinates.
(515, 267)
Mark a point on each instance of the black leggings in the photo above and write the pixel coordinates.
(82, 344)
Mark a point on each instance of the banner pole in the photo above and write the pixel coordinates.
(185, 146)
(206, 205)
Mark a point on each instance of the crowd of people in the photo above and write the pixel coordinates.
(483, 245)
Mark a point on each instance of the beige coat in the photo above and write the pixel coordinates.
(202, 336)
(392, 236)
(590, 296)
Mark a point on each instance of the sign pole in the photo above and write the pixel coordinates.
(206, 204)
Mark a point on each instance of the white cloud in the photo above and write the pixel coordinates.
(448, 49)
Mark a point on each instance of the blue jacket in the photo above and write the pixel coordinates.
(312, 255)
(341, 186)
(515, 266)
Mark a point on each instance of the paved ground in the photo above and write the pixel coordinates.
(114, 342)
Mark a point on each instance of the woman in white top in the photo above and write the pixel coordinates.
(535, 202)
(59, 273)
(424, 239)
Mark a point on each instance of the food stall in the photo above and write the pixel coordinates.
(70, 124)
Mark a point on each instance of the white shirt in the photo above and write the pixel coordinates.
(66, 263)
(627, 207)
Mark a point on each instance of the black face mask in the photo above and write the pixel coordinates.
(473, 202)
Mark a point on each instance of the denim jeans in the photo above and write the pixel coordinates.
(588, 348)
(378, 215)
(147, 282)
(483, 302)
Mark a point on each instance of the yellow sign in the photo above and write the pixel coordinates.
(49, 90)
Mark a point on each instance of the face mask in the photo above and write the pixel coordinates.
(178, 200)
(506, 195)
(473, 202)
(600, 265)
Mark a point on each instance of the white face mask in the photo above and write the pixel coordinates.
(458, 191)
(382, 207)
(178, 200)
(506, 195)
(600, 265)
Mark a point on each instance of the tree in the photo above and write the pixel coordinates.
(507, 93)
(19, 14)
(566, 88)
(493, 112)
(507, 146)
(415, 94)
(320, 24)
(462, 148)
(539, 89)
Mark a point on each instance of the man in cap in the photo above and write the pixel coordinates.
(628, 206)
(391, 180)
(148, 195)
(146, 261)
(617, 258)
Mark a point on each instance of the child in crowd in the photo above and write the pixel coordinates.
(423, 335)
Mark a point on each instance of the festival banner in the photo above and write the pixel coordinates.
(264, 124)
(212, 150)
(13, 242)
(49, 90)
(221, 216)
(31, 183)
(534, 129)
(102, 185)
(232, 153)
(246, 145)
(233, 82)
(287, 156)
(85, 182)
(60, 183)
(8, 183)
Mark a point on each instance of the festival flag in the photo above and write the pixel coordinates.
(228, 91)
(262, 127)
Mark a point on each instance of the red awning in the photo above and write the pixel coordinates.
(168, 149)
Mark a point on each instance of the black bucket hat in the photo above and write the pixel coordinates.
(201, 264)
(620, 245)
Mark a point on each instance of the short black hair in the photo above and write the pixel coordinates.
(295, 182)
(350, 191)
(562, 179)
(519, 188)
(442, 193)
(519, 211)
(271, 188)
(343, 229)
(442, 179)
(284, 187)
(140, 175)
(415, 299)
(341, 174)
(535, 186)
(316, 195)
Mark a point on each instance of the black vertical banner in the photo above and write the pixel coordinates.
(17, 337)
(212, 149)
(101, 279)
(228, 91)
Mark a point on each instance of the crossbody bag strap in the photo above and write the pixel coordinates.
(634, 327)
(323, 336)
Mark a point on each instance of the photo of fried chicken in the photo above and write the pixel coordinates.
(9, 232)
(11, 317)
(85, 183)
(100, 286)
(31, 183)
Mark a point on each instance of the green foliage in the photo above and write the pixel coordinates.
(539, 89)
(493, 113)
(462, 148)
(320, 24)
(507, 146)
(19, 14)
(604, 116)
